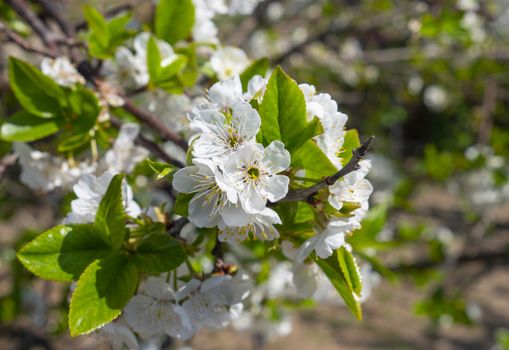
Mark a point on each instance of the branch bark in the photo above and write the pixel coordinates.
(305, 194)
(22, 43)
(25, 12)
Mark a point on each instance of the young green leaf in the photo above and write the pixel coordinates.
(351, 142)
(333, 272)
(25, 127)
(158, 253)
(283, 113)
(97, 26)
(258, 67)
(85, 109)
(63, 252)
(350, 270)
(110, 217)
(102, 291)
(162, 169)
(37, 93)
(153, 59)
(181, 206)
(174, 20)
(311, 158)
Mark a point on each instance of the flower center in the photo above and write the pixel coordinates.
(253, 173)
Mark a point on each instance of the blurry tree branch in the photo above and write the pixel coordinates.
(25, 45)
(24, 11)
(304, 194)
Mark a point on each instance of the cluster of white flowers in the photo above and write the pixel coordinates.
(159, 309)
(45, 172)
(232, 176)
(61, 71)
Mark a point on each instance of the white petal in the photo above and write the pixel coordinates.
(276, 157)
(276, 187)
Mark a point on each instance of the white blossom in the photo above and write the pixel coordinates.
(327, 241)
(42, 171)
(124, 154)
(353, 187)
(228, 62)
(216, 301)
(256, 88)
(155, 310)
(221, 135)
(62, 71)
(254, 173)
(225, 94)
(90, 191)
(261, 226)
(117, 334)
(215, 199)
(436, 98)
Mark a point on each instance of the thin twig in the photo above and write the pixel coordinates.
(50, 7)
(304, 194)
(25, 12)
(22, 43)
(155, 123)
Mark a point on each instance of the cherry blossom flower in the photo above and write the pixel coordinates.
(62, 71)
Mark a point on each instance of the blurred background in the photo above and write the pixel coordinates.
(430, 79)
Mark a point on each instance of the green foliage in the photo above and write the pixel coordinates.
(101, 293)
(63, 252)
(350, 270)
(283, 113)
(174, 20)
(24, 127)
(104, 36)
(162, 170)
(182, 204)
(110, 217)
(334, 273)
(258, 67)
(37, 94)
(311, 158)
(158, 253)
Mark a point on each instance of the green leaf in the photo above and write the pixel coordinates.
(63, 252)
(311, 158)
(351, 142)
(283, 113)
(117, 30)
(258, 67)
(158, 253)
(25, 127)
(162, 169)
(153, 59)
(37, 93)
(97, 26)
(171, 70)
(102, 291)
(110, 217)
(181, 206)
(350, 270)
(333, 272)
(174, 20)
(73, 141)
(85, 108)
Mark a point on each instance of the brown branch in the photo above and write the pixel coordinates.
(25, 12)
(50, 7)
(305, 194)
(155, 123)
(149, 145)
(22, 43)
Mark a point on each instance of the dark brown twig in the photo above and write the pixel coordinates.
(304, 194)
(25, 12)
(22, 43)
(155, 123)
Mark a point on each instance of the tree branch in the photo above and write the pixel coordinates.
(149, 145)
(155, 123)
(24, 11)
(22, 43)
(304, 194)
